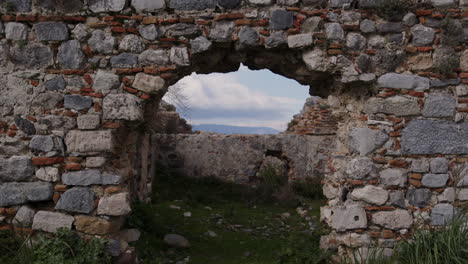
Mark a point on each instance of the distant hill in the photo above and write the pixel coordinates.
(223, 129)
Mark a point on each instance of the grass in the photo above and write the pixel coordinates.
(249, 229)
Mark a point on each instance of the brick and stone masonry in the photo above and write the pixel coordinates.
(82, 81)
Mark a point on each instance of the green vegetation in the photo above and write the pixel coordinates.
(447, 66)
(66, 247)
(393, 10)
(248, 229)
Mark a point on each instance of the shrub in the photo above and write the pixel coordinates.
(447, 66)
(393, 10)
(310, 188)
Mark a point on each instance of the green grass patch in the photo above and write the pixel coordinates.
(248, 229)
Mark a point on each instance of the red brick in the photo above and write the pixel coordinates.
(43, 161)
(73, 166)
(422, 12)
(398, 163)
(109, 124)
(229, 16)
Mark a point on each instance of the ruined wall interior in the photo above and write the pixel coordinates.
(81, 81)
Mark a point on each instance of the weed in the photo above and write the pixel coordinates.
(292, 124)
(21, 43)
(393, 10)
(452, 31)
(368, 256)
(310, 188)
(446, 66)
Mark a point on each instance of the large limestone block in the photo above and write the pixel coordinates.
(148, 5)
(122, 107)
(115, 205)
(50, 221)
(89, 141)
(348, 217)
(106, 5)
(370, 194)
(403, 81)
(148, 83)
(16, 168)
(20, 193)
(395, 220)
(423, 137)
(92, 225)
(77, 199)
(366, 140)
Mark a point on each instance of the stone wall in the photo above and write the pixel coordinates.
(82, 80)
(240, 158)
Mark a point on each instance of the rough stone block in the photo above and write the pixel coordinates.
(154, 57)
(393, 177)
(187, 5)
(180, 56)
(248, 37)
(442, 214)
(101, 42)
(359, 168)
(56, 84)
(439, 165)
(395, 220)
(77, 102)
(276, 39)
(365, 140)
(50, 221)
(397, 198)
(300, 40)
(334, 31)
(435, 180)
(82, 178)
(370, 194)
(88, 122)
(114, 205)
(420, 165)
(77, 199)
(93, 225)
(422, 36)
(281, 19)
(89, 141)
(106, 5)
(52, 145)
(122, 107)
(24, 217)
(367, 26)
(149, 32)
(395, 105)
(49, 174)
(403, 81)
(16, 31)
(132, 43)
(51, 31)
(222, 31)
(419, 197)
(348, 217)
(20, 193)
(434, 137)
(95, 162)
(124, 60)
(105, 81)
(439, 105)
(200, 44)
(16, 168)
(148, 5)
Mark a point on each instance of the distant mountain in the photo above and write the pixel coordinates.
(223, 129)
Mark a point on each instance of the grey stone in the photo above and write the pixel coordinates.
(114, 205)
(393, 177)
(106, 5)
(403, 81)
(397, 198)
(420, 165)
(390, 27)
(148, 83)
(434, 137)
(300, 40)
(276, 39)
(51, 222)
(89, 141)
(180, 56)
(447, 196)
(365, 140)
(33, 55)
(176, 241)
(376, 41)
(311, 25)
(229, 4)
(200, 44)
(122, 107)
(395, 220)
(77, 102)
(61, 6)
(444, 83)
(248, 36)
(16, 31)
(186, 5)
(442, 214)
(422, 36)
(419, 197)
(348, 217)
(56, 84)
(367, 26)
(76, 199)
(80, 32)
(149, 32)
(334, 31)
(95, 162)
(148, 5)
(49, 174)
(395, 105)
(82, 178)
(16, 168)
(105, 81)
(70, 55)
(314, 2)
(222, 31)
(260, 2)
(87, 122)
(396, 38)
(24, 217)
(435, 180)
(360, 167)
(439, 105)
(51, 31)
(132, 43)
(370, 194)
(444, 3)
(439, 165)
(20, 193)
(101, 42)
(410, 20)
(17, 5)
(111, 178)
(463, 195)
(47, 100)
(281, 19)
(47, 144)
(25, 125)
(355, 41)
(340, 3)
(182, 30)
(124, 60)
(154, 57)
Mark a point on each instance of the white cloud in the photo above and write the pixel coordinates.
(221, 99)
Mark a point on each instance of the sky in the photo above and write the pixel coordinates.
(242, 98)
